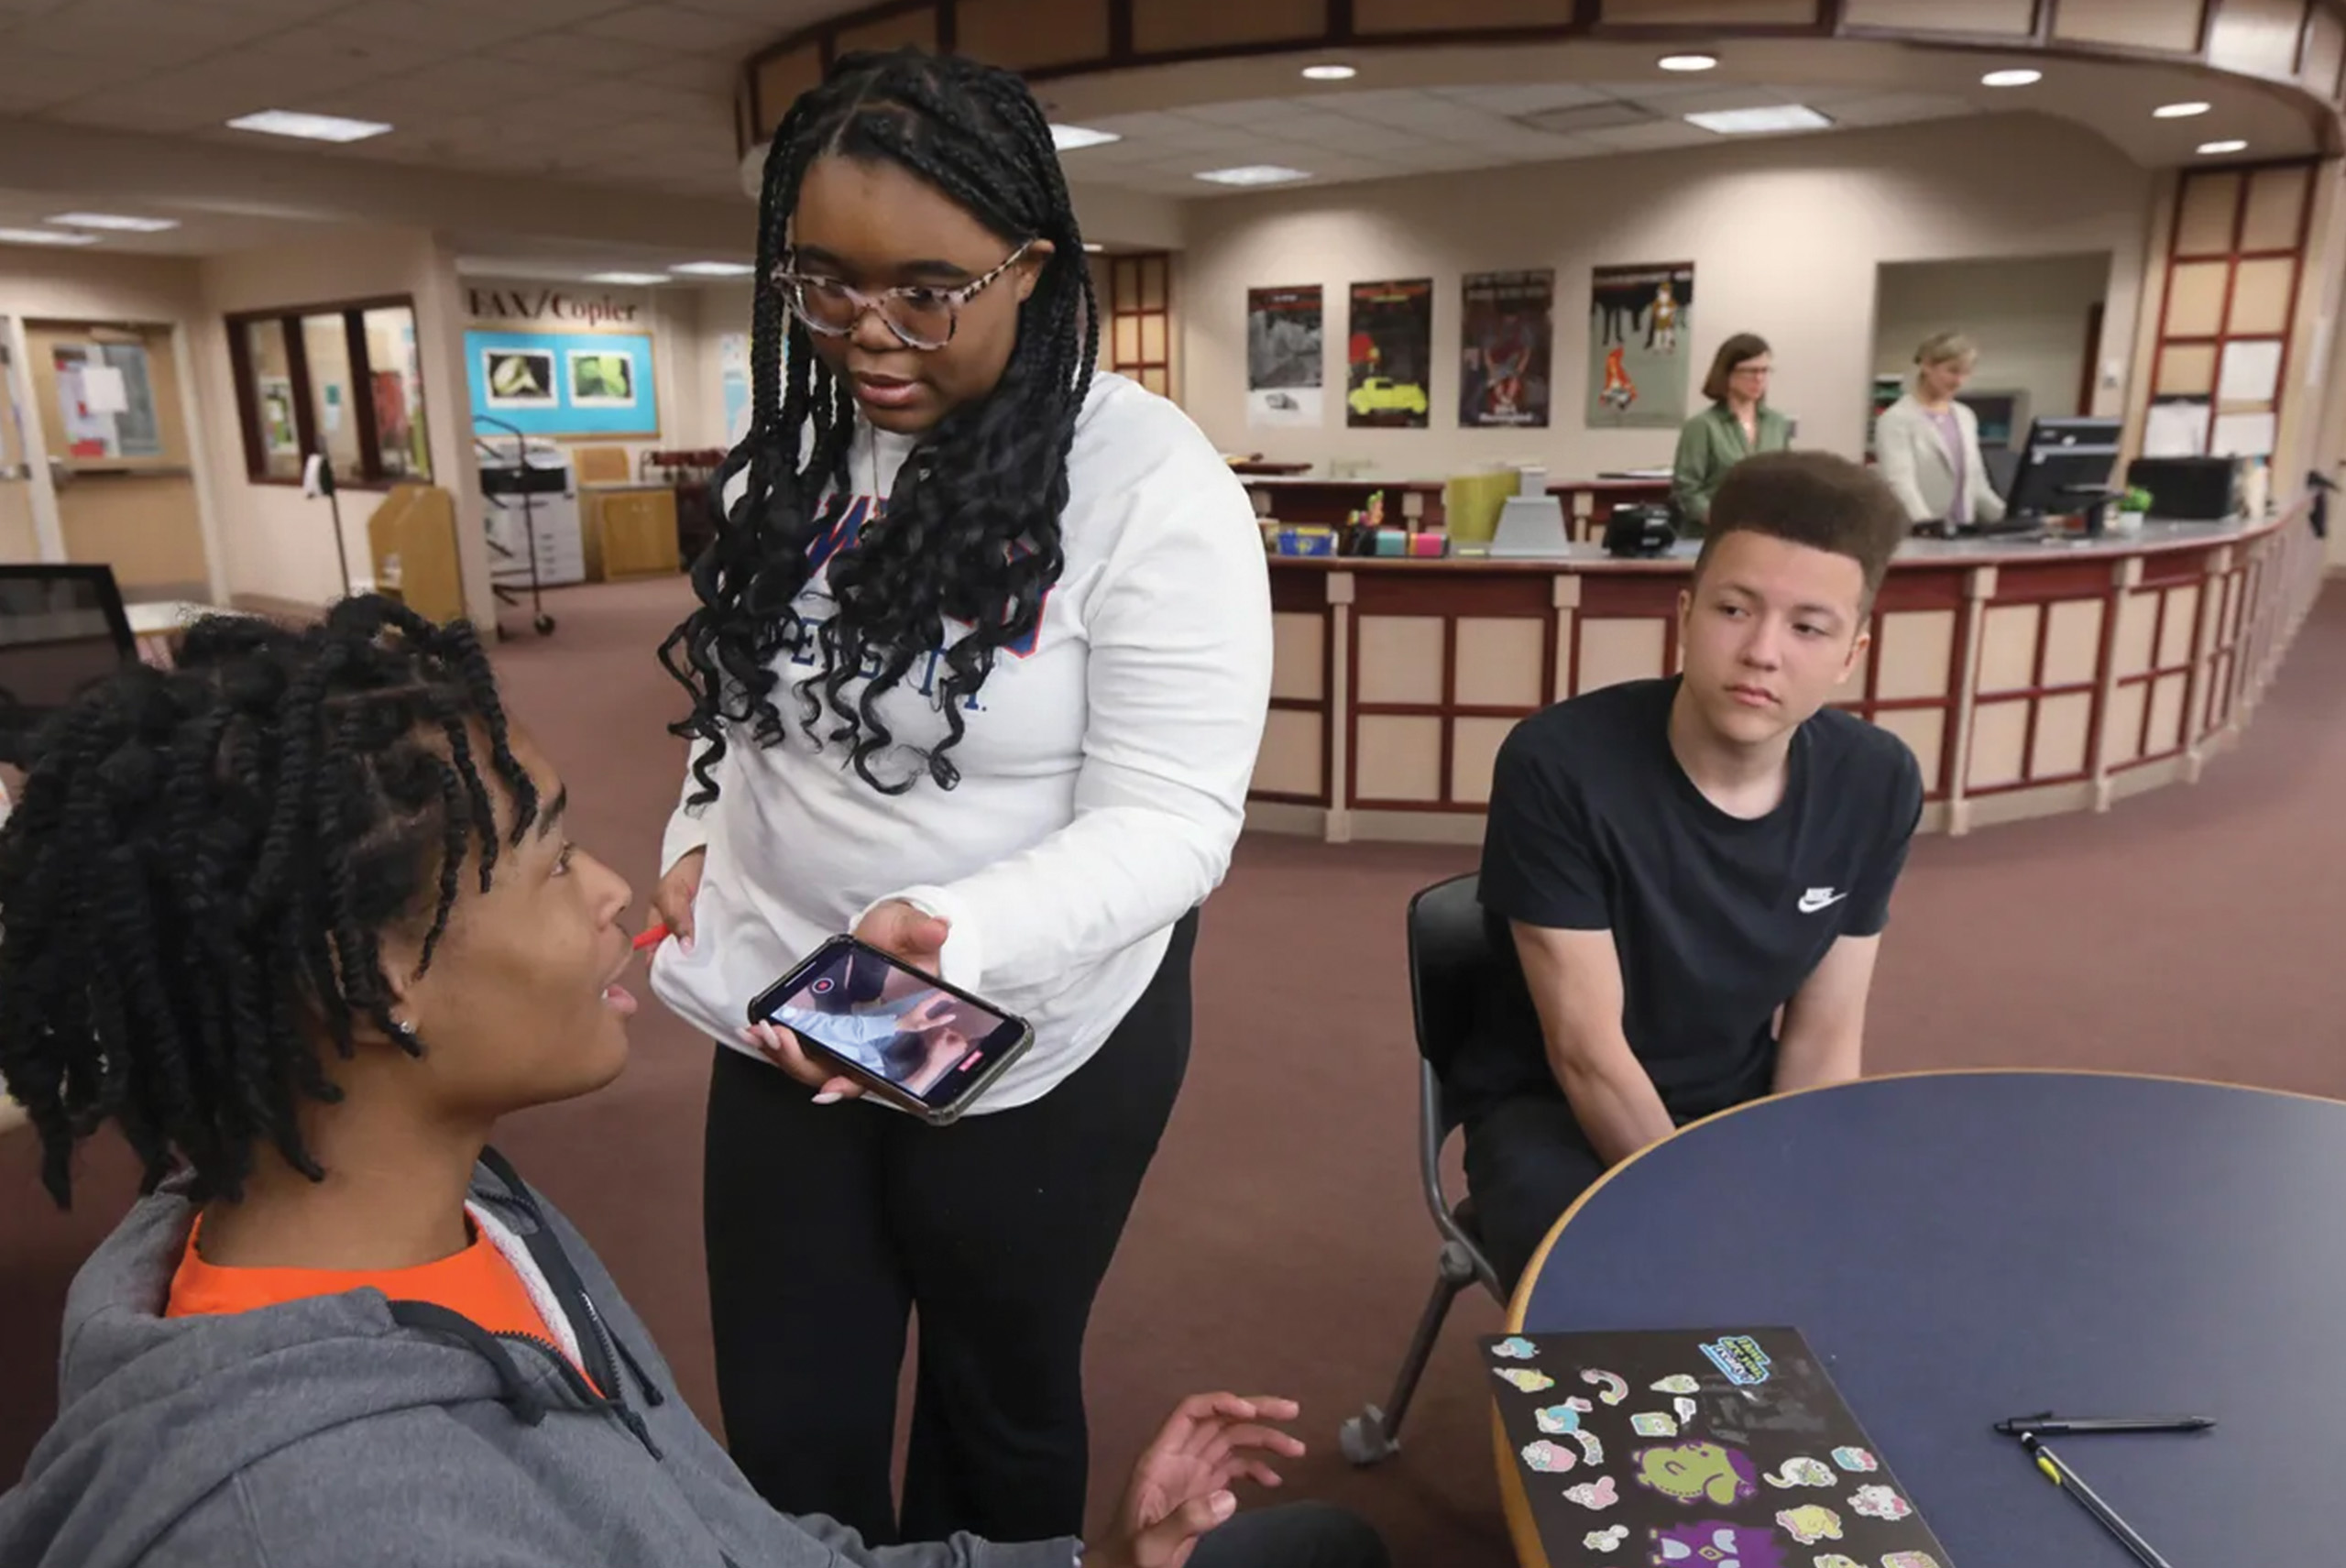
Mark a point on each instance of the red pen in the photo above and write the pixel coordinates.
(650, 936)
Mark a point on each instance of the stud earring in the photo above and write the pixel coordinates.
(404, 1029)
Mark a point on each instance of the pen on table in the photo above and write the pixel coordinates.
(650, 936)
(2057, 1471)
(2045, 1423)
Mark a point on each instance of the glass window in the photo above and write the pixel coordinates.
(272, 383)
(397, 392)
(344, 381)
(333, 415)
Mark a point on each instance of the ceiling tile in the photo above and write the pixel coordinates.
(680, 31)
(575, 54)
(32, 79)
(140, 30)
(710, 74)
(452, 30)
(1527, 98)
(1661, 134)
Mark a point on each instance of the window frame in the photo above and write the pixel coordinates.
(288, 320)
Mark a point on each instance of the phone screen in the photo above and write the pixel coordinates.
(893, 1023)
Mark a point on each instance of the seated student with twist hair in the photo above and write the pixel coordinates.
(1694, 873)
(303, 919)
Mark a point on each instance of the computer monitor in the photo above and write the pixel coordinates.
(2065, 467)
(61, 629)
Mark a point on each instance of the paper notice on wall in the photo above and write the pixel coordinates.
(104, 392)
(2242, 435)
(2176, 428)
(2252, 372)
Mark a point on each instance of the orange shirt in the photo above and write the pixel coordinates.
(478, 1282)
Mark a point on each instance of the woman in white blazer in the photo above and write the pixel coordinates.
(1927, 444)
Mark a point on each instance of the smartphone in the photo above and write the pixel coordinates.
(905, 1035)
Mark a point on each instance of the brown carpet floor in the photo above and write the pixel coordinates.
(1280, 1244)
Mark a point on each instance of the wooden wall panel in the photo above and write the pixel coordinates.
(913, 29)
(2258, 37)
(782, 79)
(2277, 208)
(1172, 27)
(1985, 18)
(1026, 35)
(1373, 17)
(2171, 24)
(2261, 296)
(2209, 206)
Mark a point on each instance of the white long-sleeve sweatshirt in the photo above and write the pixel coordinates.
(1103, 772)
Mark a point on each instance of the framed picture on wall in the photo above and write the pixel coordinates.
(518, 379)
(600, 381)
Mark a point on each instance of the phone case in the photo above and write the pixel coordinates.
(935, 1115)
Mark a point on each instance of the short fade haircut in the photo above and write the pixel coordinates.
(1814, 499)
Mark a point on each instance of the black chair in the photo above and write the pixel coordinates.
(61, 627)
(1451, 965)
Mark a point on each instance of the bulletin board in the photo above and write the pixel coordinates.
(564, 383)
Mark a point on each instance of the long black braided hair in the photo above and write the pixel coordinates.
(201, 865)
(973, 529)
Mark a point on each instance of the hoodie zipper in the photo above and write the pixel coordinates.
(581, 1385)
(434, 1318)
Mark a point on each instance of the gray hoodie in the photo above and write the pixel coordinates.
(365, 1433)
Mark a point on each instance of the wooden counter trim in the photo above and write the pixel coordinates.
(2251, 589)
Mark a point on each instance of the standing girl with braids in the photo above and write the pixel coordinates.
(978, 672)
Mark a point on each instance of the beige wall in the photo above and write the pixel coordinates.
(276, 541)
(1786, 236)
(718, 308)
(2027, 316)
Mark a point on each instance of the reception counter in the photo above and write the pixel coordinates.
(2029, 677)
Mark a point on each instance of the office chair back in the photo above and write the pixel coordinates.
(1452, 967)
(60, 628)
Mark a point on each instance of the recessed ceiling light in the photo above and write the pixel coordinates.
(309, 127)
(1067, 139)
(2019, 77)
(1766, 118)
(1255, 174)
(1330, 72)
(1687, 61)
(45, 236)
(2213, 147)
(628, 280)
(2178, 110)
(115, 220)
(713, 269)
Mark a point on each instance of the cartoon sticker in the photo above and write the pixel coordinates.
(1810, 1523)
(1835, 1560)
(1685, 1407)
(1714, 1544)
(1740, 1357)
(1677, 1383)
(1592, 1447)
(1854, 1460)
(1549, 1458)
(1562, 1418)
(1802, 1472)
(1616, 1390)
(1653, 1424)
(1523, 1378)
(1516, 1349)
(1909, 1559)
(1694, 1471)
(1600, 1493)
(1606, 1539)
(1879, 1502)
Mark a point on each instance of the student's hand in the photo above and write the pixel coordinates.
(675, 896)
(927, 1014)
(781, 1047)
(907, 935)
(1180, 1488)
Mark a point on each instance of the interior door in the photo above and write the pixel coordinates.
(19, 539)
(108, 396)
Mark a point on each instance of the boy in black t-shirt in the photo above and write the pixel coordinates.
(1693, 872)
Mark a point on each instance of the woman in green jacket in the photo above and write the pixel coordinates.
(1737, 423)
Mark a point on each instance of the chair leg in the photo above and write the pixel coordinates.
(1375, 1433)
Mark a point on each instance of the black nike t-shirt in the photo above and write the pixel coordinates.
(1717, 920)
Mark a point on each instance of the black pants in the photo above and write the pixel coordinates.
(826, 1225)
(1527, 1159)
(1302, 1535)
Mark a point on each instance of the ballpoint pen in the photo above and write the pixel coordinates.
(2057, 1471)
(2045, 1423)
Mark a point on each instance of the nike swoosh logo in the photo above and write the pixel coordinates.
(1817, 898)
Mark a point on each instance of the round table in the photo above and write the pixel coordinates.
(1962, 1247)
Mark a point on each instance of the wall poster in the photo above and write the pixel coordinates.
(733, 377)
(1641, 338)
(106, 400)
(1390, 355)
(1286, 359)
(564, 383)
(1506, 332)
